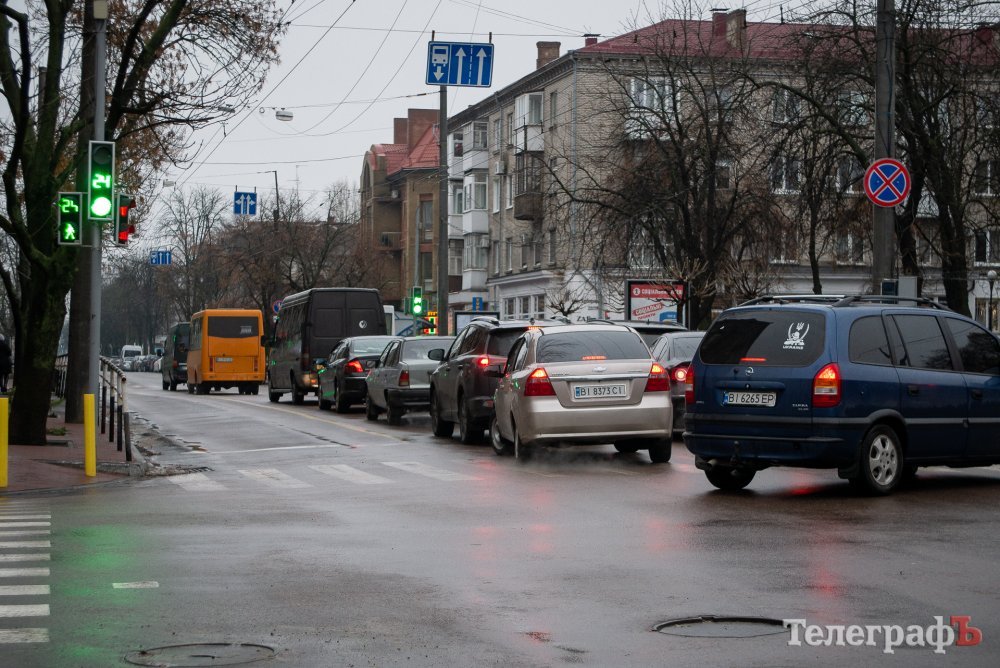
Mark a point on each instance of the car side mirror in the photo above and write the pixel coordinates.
(436, 354)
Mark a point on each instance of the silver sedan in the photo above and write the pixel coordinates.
(400, 379)
(582, 384)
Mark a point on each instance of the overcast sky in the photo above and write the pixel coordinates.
(344, 84)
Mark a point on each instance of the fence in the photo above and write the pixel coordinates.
(115, 420)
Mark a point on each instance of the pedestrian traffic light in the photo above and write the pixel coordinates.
(101, 180)
(417, 300)
(70, 213)
(123, 225)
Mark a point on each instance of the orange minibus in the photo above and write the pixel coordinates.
(226, 350)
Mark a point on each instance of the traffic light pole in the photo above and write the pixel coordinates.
(94, 329)
(442, 273)
(884, 218)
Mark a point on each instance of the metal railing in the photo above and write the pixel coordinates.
(113, 405)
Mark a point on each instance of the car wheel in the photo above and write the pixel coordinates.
(626, 447)
(522, 450)
(342, 404)
(439, 426)
(255, 390)
(203, 388)
(273, 397)
(166, 385)
(468, 431)
(173, 385)
(659, 453)
(298, 398)
(371, 411)
(501, 446)
(729, 478)
(393, 413)
(880, 464)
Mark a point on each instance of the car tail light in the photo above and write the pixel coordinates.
(826, 387)
(483, 361)
(404, 378)
(658, 380)
(354, 366)
(679, 374)
(689, 387)
(538, 384)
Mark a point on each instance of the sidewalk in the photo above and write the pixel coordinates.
(59, 465)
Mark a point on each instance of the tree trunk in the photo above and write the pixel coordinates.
(954, 271)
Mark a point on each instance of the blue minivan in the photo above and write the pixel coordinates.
(871, 386)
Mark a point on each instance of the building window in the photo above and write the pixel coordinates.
(525, 307)
(552, 246)
(475, 192)
(455, 247)
(426, 267)
(784, 175)
(496, 257)
(479, 135)
(509, 254)
(851, 108)
(457, 200)
(476, 250)
(723, 175)
(987, 246)
(508, 308)
(497, 193)
(510, 128)
(850, 248)
(497, 134)
(656, 94)
(425, 220)
(850, 175)
(456, 145)
(786, 107)
(510, 191)
(527, 171)
(538, 248)
(985, 180)
(785, 248)
(553, 108)
(528, 110)
(525, 251)
(540, 307)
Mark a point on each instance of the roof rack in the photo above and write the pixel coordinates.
(854, 300)
(788, 299)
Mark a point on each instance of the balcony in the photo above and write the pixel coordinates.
(389, 241)
(528, 206)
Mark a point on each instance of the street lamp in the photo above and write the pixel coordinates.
(991, 276)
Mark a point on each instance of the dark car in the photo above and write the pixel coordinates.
(461, 389)
(649, 330)
(674, 351)
(871, 386)
(342, 375)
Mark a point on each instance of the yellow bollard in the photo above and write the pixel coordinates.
(3, 441)
(89, 437)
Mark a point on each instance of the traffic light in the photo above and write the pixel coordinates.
(432, 318)
(70, 232)
(416, 300)
(101, 181)
(123, 226)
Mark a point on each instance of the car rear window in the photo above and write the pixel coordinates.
(765, 338)
(685, 346)
(233, 326)
(370, 346)
(586, 346)
(417, 350)
(502, 340)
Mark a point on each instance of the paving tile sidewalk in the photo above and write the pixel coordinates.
(59, 465)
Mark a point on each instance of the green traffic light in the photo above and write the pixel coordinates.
(100, 206)
(69, 232)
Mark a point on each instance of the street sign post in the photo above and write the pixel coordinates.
(887, 182)
(459, 64)
(244, 204)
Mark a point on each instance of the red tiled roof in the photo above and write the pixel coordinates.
(394, 155)
(425, 154)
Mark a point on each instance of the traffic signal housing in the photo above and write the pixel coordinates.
(416, 300)
(432, 317)
(101, 180)
(123, 224)
(70, 230)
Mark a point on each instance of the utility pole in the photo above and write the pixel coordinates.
(442, 273)
(883, 260)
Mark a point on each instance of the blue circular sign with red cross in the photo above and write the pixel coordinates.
(887, 182)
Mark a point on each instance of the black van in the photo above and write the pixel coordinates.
(310, 325)
(173, 365)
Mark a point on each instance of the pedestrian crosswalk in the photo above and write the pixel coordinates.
(25, 527)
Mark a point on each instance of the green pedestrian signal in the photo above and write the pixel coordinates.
(101, 180)
(416, 300)
(70, 219)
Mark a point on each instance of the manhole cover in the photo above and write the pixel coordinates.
(201, 654)
(720, 626)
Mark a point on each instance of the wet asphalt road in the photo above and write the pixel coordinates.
(341, 542)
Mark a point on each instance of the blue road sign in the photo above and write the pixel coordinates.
(887, 182)
(477, 303)
(459, 64)
(244, 204)
(160, 257)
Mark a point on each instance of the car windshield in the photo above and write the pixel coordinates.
(590, 346)
(765, 338)
(374, 345)
(417, 350)
(685, 346)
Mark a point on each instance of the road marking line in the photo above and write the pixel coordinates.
(273, 478)
(338, 423)
(429, 471)
(24, 572)
(145, 584)
(4, 518)
(196, 482)
(10, 636)
(606, 469)
(41, 610)
(286, 447)
(546, 475)
(24, 557)
(20, 525)
(26, 543)
(33, 532)
(350, 474)
(24, 590)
